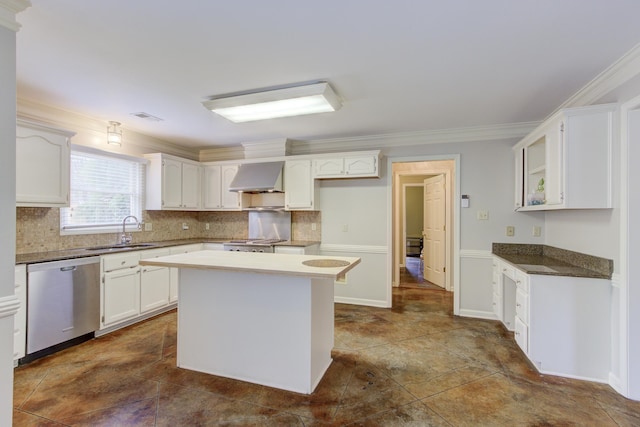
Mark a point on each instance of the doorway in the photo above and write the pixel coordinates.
(411, 172)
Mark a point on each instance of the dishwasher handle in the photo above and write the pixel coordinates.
(70, 268)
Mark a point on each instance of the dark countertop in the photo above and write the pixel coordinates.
(36, 257)
(552, 261)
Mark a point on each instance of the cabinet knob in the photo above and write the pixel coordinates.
(518, 305)
(517, 333)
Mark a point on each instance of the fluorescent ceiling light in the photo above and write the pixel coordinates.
(269, 104)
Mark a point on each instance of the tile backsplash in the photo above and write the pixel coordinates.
(38, 229)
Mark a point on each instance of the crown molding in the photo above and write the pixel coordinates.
(135, 143)
(442, 136)
(222, 153)
(621, 71)
(8, 11)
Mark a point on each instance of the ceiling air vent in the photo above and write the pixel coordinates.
(147, 116)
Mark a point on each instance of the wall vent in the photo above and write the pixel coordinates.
(147, 116)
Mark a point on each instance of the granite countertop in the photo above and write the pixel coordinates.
(268, 263)
(552, 261)
(36, 257)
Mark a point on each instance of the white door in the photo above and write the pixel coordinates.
(434, 230)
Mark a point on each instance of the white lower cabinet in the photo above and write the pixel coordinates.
(561, 323)
(130, 291)
(174, 276)
(154, 282)
(297, 250)
(120, 295)
(20, 318)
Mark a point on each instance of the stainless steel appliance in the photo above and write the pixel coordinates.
(63, 303)
(265, 229)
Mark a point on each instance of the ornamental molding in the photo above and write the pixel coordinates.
(618, 73)
(9, 306)
(8, 11)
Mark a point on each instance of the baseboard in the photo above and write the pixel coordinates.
(477, 314)
(361, 301)
(146, 316)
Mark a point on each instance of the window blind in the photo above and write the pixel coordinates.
(104, 190)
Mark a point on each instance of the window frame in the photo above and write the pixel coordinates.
(130, 225)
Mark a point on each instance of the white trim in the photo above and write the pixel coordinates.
(478, 314)
(99, 152)
(453, 260)
(406, 139)
(622, 383)
(621, 71)
(133, 321)
(361, 301)
(9, 306)
(8, 11)
(363, 249)
(473, 253)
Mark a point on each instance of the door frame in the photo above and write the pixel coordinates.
(453, 234)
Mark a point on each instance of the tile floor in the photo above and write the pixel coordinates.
(414, 365)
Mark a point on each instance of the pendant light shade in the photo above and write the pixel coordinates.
(114, 134)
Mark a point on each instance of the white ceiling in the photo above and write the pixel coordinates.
(399, 66)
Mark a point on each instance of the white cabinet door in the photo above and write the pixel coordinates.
(121, 295)
(212, 185)
(230, 199)
(522, 335)
(174, 276)
(42, 166)
(328, 167)
(154, 288)
(20, 318)
(299, 191)
(216, 195)
(190, 186)
(361, 166)
(171, 183)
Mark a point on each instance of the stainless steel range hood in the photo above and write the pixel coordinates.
(258, 178)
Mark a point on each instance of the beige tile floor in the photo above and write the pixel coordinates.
(413, 365)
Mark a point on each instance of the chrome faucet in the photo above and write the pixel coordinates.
(125, 238)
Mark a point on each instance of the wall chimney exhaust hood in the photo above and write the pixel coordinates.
(258, 178)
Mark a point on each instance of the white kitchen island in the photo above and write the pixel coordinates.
(257, 317)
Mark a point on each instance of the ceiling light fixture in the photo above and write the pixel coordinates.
(114, 134)
(269, 104)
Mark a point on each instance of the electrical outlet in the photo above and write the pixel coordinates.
(345, 227)
(185, 226)
(537, 231)
(482, 215)
(148, 226)
(313, 226)
(511, 230)
(206, 226)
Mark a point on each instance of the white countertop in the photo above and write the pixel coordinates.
(269, 263)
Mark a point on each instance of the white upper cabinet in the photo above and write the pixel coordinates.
(566, 162)
(42, 165)
(172, 183)
(216, 194)
(299, 186)
(360, 165)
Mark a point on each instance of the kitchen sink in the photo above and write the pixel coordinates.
(121, 246)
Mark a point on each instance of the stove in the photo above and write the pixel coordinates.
(252, 245)
(265, 229)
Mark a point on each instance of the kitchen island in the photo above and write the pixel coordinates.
(256, 317)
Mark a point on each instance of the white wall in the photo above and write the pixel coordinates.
(7, 217)
(486, 174)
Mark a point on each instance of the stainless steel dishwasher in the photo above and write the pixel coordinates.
(63, 303)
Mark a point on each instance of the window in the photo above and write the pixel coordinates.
(105, 188)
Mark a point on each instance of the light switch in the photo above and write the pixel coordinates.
(511, 230)
(537, 231)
